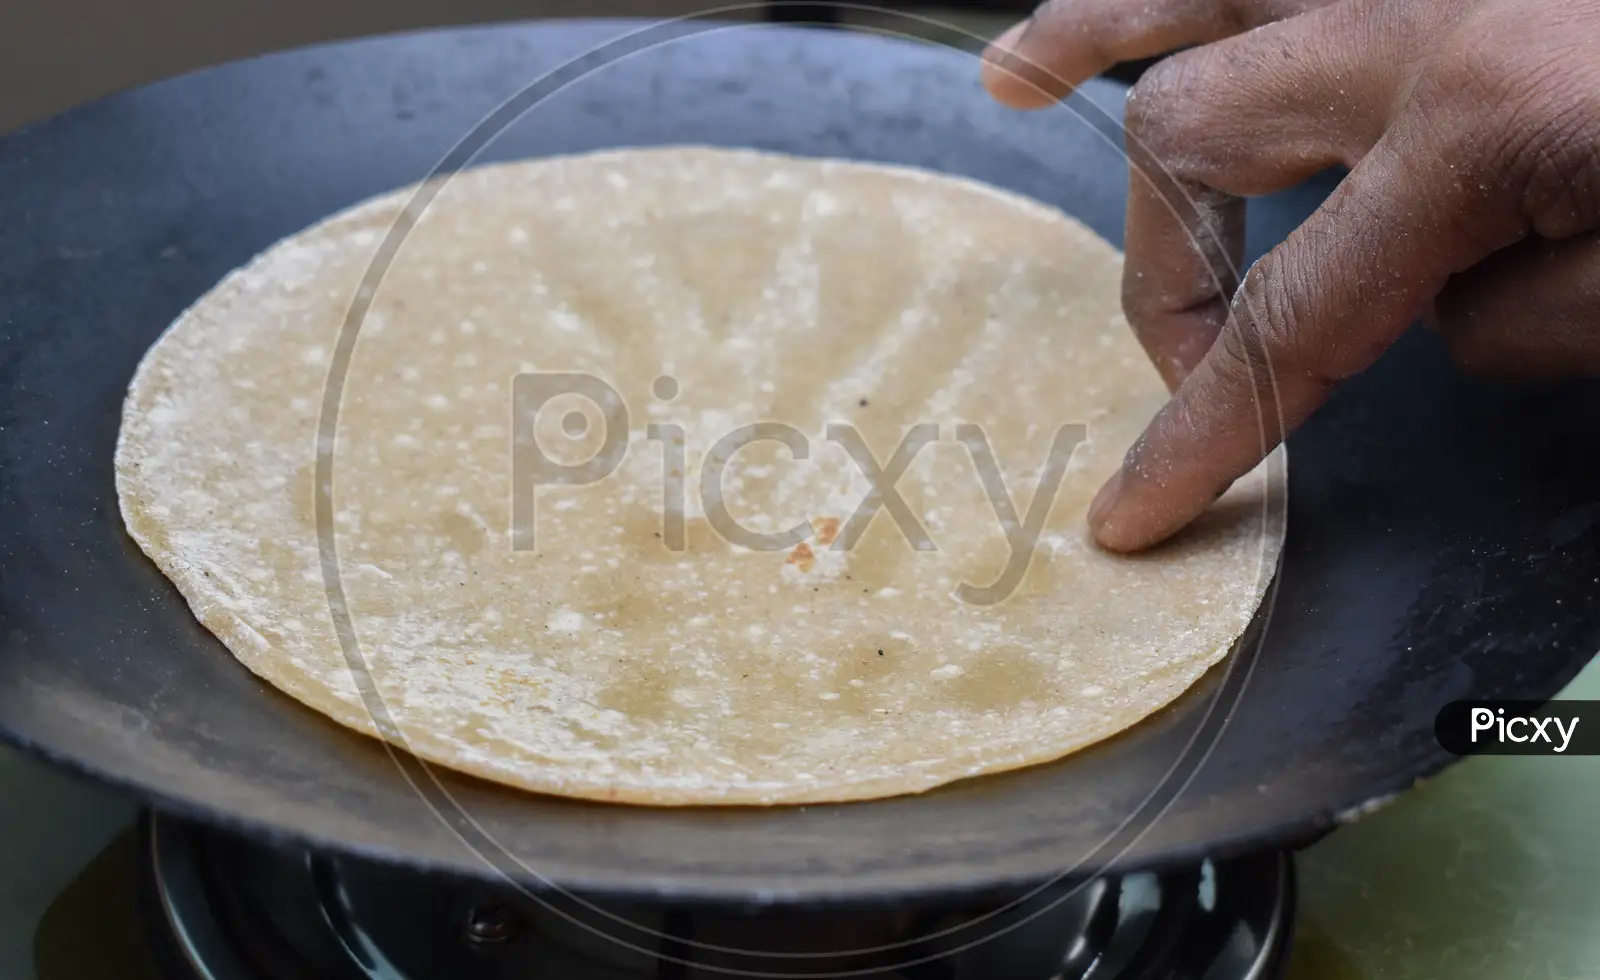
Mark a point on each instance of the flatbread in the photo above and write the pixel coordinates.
(598, 660)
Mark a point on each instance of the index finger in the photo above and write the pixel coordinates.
(1319, 308)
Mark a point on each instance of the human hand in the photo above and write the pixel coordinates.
(1472, 132)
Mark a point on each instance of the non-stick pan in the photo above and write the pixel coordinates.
(1444, 535)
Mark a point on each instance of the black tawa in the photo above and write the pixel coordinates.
(1444, 535)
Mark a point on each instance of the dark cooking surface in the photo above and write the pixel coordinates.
(1443, 536)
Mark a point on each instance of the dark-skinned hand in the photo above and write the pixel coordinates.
(1471, 131)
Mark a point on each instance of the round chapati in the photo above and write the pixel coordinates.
(595, 656)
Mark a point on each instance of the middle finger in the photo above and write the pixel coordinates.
(1249, 115)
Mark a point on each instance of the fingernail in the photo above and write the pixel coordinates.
(1105, 501)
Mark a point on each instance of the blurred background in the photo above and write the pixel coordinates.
(58, 53)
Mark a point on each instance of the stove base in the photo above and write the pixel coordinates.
(218, 907)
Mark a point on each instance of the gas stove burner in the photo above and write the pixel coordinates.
(223, 908)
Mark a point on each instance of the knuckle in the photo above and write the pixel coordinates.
(1519, 124)
(1468, 75)
(1152, 100)
(1241, 363)
(1269, 332)
(1191, 112)
(1166, 111)
(1463, 103)
(1554, 161)
(1274, 330)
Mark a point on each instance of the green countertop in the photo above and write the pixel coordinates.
(1489, 872)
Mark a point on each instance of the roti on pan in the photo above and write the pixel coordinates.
(687, 476)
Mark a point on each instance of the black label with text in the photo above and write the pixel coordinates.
(1519, 728)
